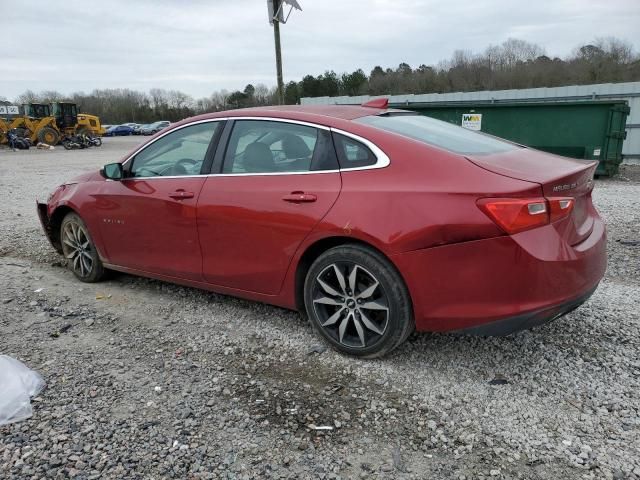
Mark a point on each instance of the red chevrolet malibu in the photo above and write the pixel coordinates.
(374, 221)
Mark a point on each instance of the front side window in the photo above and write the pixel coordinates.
(179, 153)
(262, 146)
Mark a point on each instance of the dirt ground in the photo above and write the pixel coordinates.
(150, 380)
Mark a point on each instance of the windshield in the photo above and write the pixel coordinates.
(438, 133)
(69, 109)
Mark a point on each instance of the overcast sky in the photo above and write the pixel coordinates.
(199, 46)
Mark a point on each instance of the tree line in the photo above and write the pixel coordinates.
(512, 64)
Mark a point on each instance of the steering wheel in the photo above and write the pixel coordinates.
(179, 168)
(186, 161)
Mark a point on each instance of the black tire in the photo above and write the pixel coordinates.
(48, 135)
(79, 250)
(353, 325)
(97, 141)
(67, 144)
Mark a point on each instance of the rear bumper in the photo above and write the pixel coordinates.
(502, 284)
(527, 320)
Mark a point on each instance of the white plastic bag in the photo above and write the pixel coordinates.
(17, 384)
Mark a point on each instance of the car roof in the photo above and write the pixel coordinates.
(344, 112)
(323, 114)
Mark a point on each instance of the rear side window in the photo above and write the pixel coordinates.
(263, 146)
(438, 133)
(352, 153)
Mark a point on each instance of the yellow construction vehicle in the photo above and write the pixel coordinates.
(70, 122)
(36, 124)
(4, 128)
(48, 123)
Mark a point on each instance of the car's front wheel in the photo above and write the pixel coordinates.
(79, 249)
(357, 301)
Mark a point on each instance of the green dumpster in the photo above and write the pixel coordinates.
(591, 130)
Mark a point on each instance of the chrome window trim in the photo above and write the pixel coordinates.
(160, 177)
(271, 174)
(382, 160)
(252, 174)
(283, 120)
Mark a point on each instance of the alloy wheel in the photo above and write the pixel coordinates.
(351, 304)
(77, 248)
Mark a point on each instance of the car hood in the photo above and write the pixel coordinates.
(85, 177)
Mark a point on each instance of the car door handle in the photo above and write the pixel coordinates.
(181, 195)
(299, 197)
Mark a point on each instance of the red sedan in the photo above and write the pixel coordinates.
(374, 221)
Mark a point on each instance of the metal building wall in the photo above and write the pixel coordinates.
(629, 91)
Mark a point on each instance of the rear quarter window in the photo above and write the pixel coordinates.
(438, 133)
(352, 153)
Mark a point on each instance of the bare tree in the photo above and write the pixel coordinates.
(512, 64)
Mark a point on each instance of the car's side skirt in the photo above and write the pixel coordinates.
(276, 300)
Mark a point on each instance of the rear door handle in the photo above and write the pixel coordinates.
(299, 197)
(181, 195)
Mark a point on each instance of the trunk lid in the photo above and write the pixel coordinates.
(558, 176)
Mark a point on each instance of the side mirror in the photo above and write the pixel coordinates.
(113, 171)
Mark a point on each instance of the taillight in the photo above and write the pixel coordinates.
(515, 215)
(560, 207)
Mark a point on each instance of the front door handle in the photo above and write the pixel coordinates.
(299, 197)
(181, 195)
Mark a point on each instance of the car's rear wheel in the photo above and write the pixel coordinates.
(79, 249)
(357, 301)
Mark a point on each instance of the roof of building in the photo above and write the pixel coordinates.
(570, 92)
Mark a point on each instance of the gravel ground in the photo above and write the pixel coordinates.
(151, 380)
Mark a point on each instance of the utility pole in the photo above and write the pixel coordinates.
(276, 37)
(276, 17)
